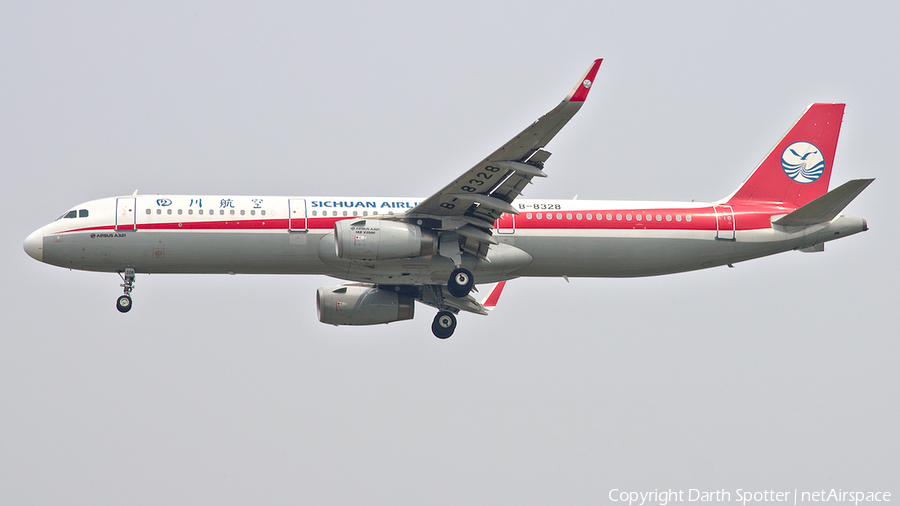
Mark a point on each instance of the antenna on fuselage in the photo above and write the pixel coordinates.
(135, 193)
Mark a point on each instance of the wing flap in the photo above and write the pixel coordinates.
(468, 304)
(506, 171)
(487, 201)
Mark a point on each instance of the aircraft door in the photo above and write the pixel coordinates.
(506, 224)
(724, 223)
(297, 215)
(125, 215)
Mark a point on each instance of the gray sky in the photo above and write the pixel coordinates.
(779, 374)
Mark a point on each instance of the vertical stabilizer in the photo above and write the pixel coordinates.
(798, 169)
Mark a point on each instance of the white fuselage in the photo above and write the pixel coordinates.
(295, 235)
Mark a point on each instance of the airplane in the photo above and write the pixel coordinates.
(393, 252)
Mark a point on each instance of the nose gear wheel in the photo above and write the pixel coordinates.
(123, 303)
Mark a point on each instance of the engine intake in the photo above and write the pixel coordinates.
(362, 305)
(382, 240)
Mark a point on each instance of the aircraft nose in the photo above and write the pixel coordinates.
(34, 245)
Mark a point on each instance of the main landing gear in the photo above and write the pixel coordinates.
(123, 303)
(460, 283)
(444, 324)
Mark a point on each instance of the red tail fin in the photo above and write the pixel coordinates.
(798, 169)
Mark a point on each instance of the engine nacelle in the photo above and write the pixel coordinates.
(362, 305)
(382, 240)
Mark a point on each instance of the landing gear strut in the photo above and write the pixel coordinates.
(460, 283)
(444, 324)
(123, 303)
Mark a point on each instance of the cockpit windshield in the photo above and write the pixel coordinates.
(81, 213)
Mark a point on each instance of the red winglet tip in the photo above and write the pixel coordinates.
(490, 302)
(580, 92)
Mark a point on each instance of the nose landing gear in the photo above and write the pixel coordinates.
(123, 303)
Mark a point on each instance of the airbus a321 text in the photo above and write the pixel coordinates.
(395, 251)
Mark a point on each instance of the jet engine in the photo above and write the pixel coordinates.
(353, 304)
(382, 240)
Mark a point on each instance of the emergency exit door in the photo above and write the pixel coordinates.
(125, 215)
(297, 215)
(506, 224)
(724, 223)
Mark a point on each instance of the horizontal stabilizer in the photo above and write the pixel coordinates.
(826, 207)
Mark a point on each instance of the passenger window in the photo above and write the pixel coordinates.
(638, 217)
(619, 217)
(590, 216)
(148, 212)
(82, 213)
(231, 212)
(558, 216)
(609, 217)
(628, 217)
(180, 212)
(540, 216)
(221, 212)
(200, 211)
(677, 217)
(658, 217)
(245, 212)
(568, 216)
(168, 211)
(668, 217)
(190, 211)
(687, 218)
(263, 212)
(252, 212)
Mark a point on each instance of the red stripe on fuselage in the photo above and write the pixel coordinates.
(745, 218)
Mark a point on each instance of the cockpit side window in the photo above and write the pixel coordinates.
(82, 213)
(70, 214)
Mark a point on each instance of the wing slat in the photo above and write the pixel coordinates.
(487, 190)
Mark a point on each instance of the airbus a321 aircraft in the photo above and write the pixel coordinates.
(395, 251)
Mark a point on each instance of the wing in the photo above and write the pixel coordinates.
(471, 204)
